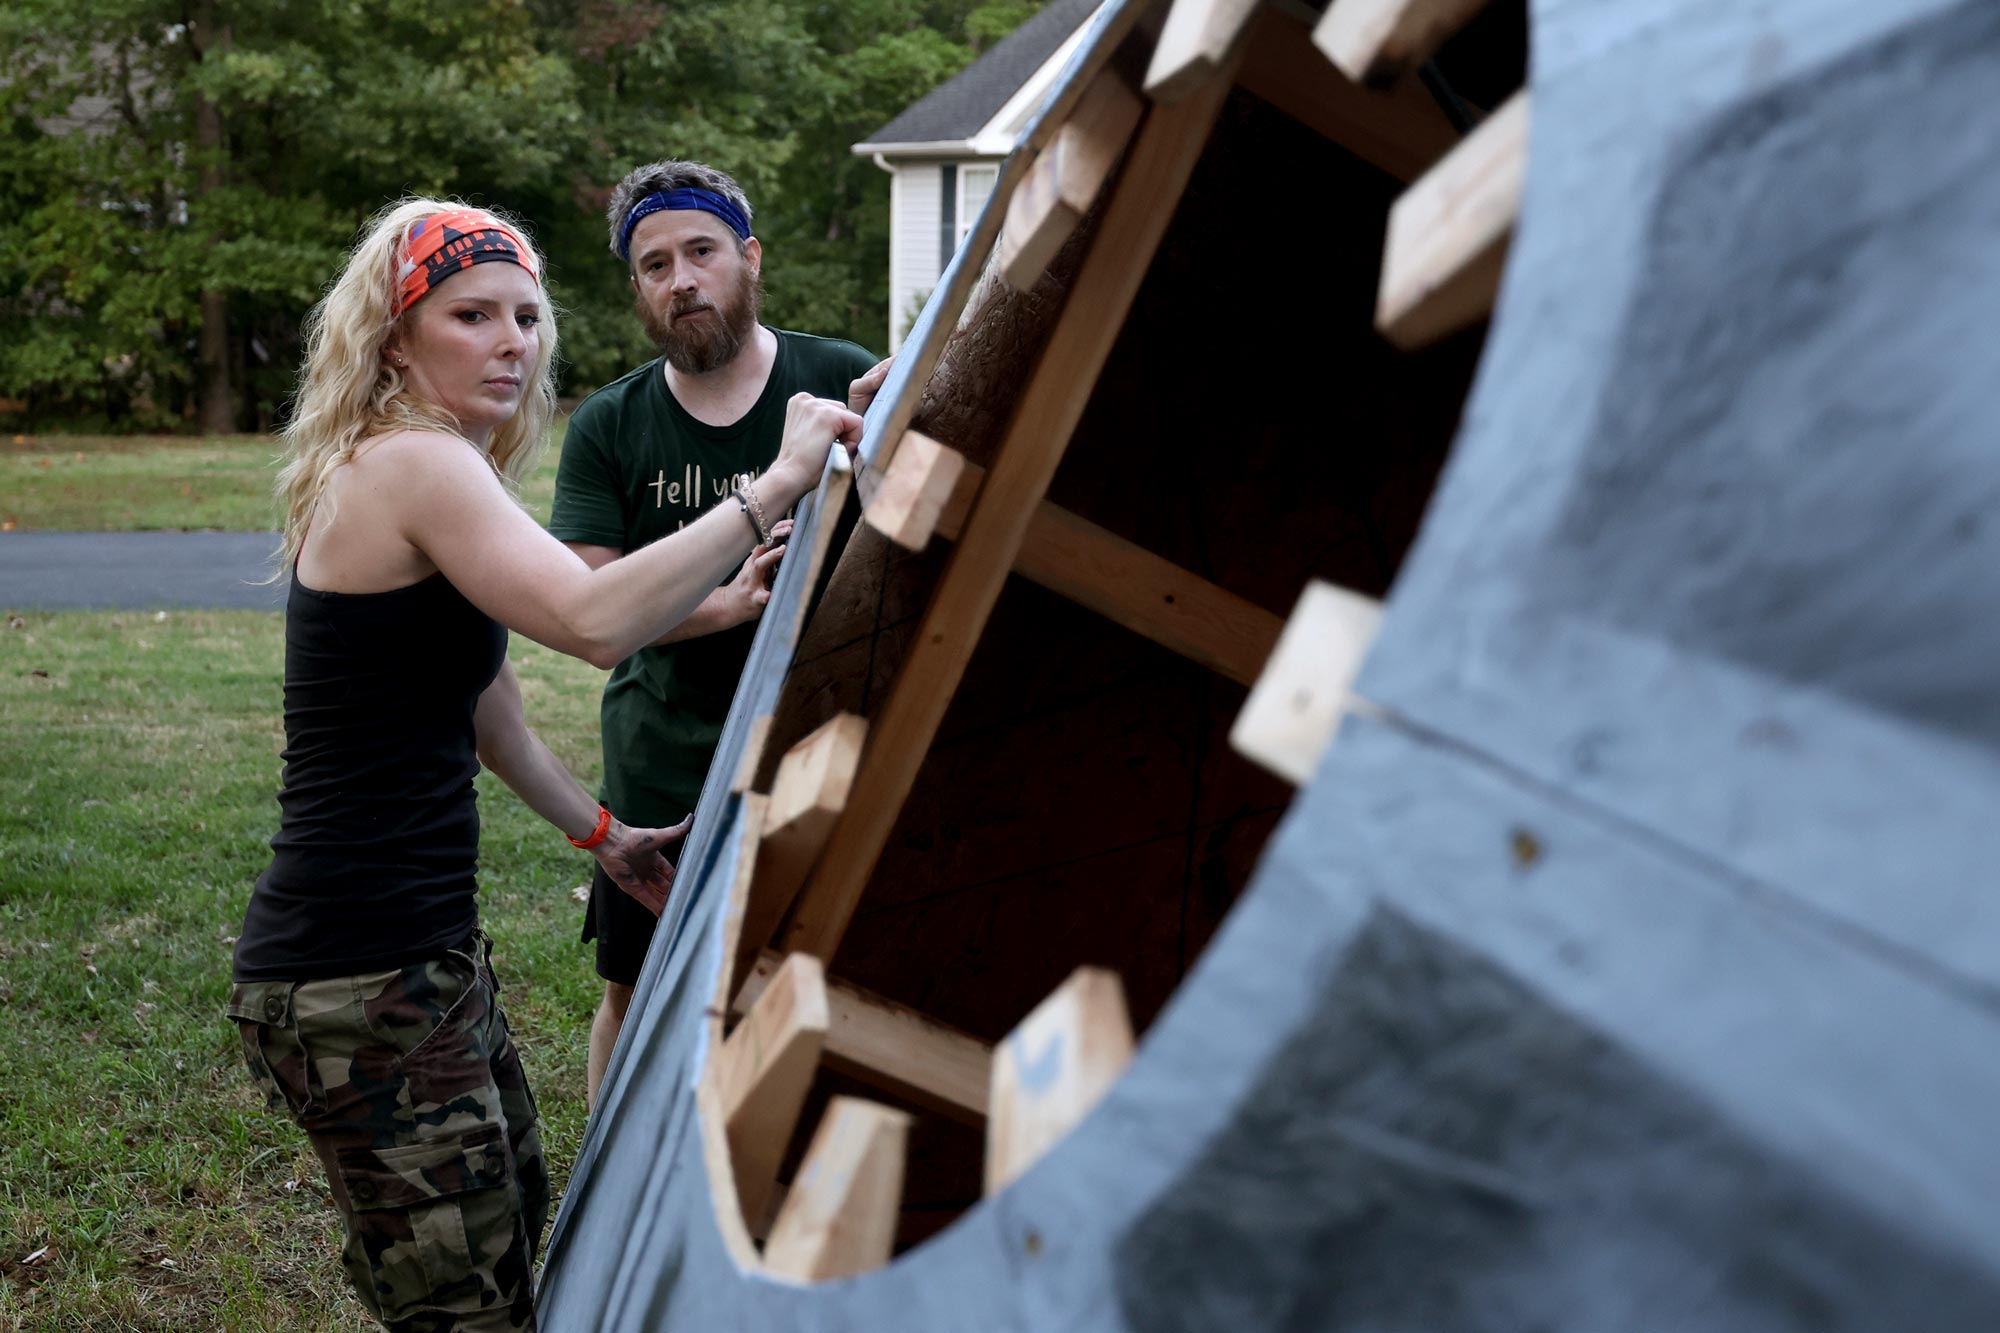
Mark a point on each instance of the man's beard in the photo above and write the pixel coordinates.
(697, 346)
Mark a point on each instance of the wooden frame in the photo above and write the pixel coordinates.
(1160, 163)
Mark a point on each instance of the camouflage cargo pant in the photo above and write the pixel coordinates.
(412, 1093)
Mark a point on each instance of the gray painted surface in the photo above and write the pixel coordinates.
(1640, 967)
(113, 571)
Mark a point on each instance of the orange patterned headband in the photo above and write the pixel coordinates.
(442, 244)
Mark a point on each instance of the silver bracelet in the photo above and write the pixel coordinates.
(752, 507)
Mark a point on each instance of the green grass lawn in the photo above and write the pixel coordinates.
(136, 483)
(142, 1183)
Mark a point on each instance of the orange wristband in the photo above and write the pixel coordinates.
(598, 834)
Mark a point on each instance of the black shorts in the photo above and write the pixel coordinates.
(622, 927)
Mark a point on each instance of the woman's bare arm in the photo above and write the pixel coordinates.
(447, 503)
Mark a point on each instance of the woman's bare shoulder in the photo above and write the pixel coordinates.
(415, 456)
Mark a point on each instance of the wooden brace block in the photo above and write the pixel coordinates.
(840, 1216)
(1376, 42)
(1066, 179)
(765, 1070)
(1448, 234)
(895, 1048)
(1400, 129)
(807, 796)
(1290, 716)
(1053, 1068)
(1194, 45)
(914, 490)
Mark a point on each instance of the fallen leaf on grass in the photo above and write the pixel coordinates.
(142, 1010)
(37, 1256)
(581, 893)
(38, 673)
(15, 622)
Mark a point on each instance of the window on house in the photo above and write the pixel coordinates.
(975, 183)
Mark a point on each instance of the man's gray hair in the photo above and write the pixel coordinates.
(657, 176)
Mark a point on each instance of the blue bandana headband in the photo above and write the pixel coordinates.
(707, 201)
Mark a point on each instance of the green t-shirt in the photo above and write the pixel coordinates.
(635, 467)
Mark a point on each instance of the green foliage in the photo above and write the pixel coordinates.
(114, 218)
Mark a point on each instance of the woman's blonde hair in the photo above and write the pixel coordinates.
(350, 393)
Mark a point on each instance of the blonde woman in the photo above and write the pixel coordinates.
(364, 992)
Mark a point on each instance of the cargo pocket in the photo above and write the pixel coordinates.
(256, 1006)
(432, 1229)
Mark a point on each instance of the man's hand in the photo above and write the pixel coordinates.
(745, 596)
(633, 859)
(862, 392)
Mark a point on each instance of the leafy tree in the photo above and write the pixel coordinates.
(179, 179)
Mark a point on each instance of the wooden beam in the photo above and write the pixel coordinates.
(894, 1048)
(1400, 129)
(916, 486)
(1053, 1069)
(753, 754)
(1292, 712)
(840, 1216)
(807, 795)
(1376, 42)
(1066, 179)
(1448, 234)
(764, 1071)
(1152, 597)
(1194, 45)
(1094, 568)
(1135, 219)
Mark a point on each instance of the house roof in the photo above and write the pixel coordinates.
(957, 109)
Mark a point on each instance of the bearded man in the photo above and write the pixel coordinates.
(651, 452)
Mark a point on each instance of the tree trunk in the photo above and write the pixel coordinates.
(216, 391)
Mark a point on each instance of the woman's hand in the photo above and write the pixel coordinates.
(633, 859)
(812, 427)
(745, 596)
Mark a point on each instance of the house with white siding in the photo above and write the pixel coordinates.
(943, 152)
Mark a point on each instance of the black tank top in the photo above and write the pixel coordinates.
(373, 862)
